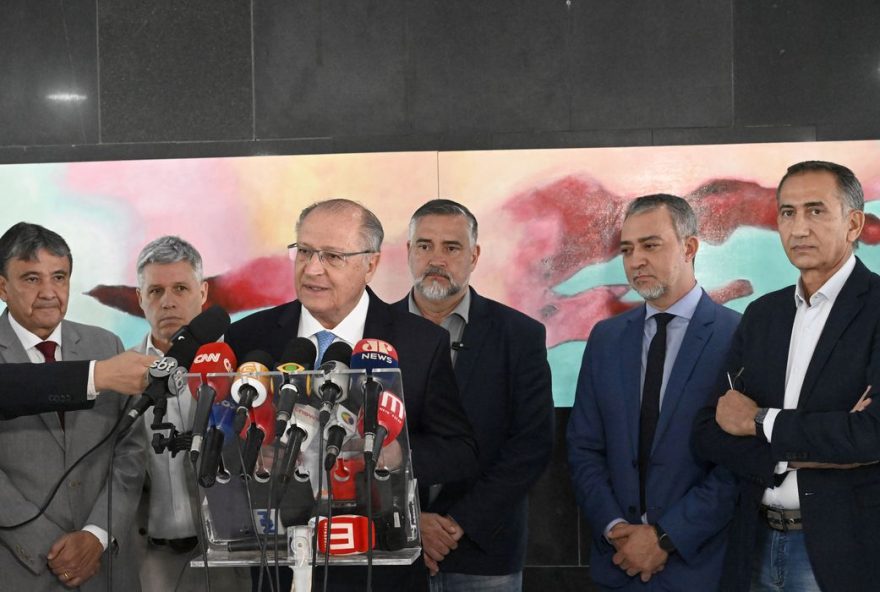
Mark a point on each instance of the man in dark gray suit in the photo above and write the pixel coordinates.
(64, 546)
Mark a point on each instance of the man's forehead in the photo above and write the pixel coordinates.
(39, 259)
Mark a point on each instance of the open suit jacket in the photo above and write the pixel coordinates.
(504, 380)
(27, 389)
(691, 499)
(441, 439)
(840, 508)
(34, 452)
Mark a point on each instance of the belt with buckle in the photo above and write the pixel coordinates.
(782, 520)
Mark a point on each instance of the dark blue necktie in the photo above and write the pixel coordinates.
(651, 399)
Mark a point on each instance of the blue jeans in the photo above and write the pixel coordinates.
(453, 582)
(782, 563)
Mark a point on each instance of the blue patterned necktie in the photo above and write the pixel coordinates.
(325, 338)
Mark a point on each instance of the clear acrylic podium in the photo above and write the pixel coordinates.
(267, 508)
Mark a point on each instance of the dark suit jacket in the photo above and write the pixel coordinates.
(691, 499)
(28, 389)
(504, 379)
(840, 508)
(441, 438)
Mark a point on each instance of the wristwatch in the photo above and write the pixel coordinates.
(759, 423)
(663, 539)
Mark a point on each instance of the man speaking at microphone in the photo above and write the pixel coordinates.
(335, 256)
(474, 533)
(64, 547)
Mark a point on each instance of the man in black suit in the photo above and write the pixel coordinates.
(28, 389)
(795, 425)
(474, 532)
(335, 257)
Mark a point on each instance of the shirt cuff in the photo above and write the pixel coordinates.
(91, 392)
(100, 533)
(610, 526)
(769, 420)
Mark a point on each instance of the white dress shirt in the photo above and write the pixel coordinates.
(349, 330)
(809, 321)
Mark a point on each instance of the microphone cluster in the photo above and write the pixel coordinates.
(256, 402)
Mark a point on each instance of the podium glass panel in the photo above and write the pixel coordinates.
(265, 487)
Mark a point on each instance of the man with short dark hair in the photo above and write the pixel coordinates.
(658, 514)
(474, 532)
(335, 256)
(794, 423)
(64, 546)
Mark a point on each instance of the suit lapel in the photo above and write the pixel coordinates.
(696, 337)
(378, 324)
(631, 373)
(71, 349)
(476, 331)
(849, 303)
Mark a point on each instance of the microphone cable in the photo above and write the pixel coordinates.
(264, 564)
(202, 533)
(54, 491)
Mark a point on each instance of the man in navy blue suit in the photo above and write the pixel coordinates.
(474, 531)
(795, 425)
(658, 513)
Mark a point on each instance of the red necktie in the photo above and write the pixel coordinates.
(47, 348)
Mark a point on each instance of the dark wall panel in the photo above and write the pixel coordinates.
(488, 65)
(175, 70)
(651, 64)
(330, 68)
(48, 73)
(807, 61)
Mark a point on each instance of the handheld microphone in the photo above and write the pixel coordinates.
(251, 391)
(390, 419)
(299, 353)
(206, 327)
(303, 431)
(335, 437)
(372, 354)
(334, 388)
(211, 358)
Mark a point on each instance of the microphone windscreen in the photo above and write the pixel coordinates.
(373, 354)
(210, 324)
(300, 351)
(260, 357)
(339, 351)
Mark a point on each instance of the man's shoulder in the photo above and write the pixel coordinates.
(93, 332)
(267, 316)
(771, 302)
(515, 320)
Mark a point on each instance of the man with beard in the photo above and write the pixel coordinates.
(656, 511)
(474, 532)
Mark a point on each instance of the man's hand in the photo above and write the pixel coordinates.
(736, 413)
(616, 536)
(440, 535)
(75, 557)
(640, 553)
(124, 373)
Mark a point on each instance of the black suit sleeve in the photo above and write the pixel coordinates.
(443, 446)
(28, 389)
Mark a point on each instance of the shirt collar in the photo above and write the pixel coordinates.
(350, 329)
(684, 307)
(463, 309)
(150, 349)
(830, 290)
(29, 340)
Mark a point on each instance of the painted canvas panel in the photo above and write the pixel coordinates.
(549, 223)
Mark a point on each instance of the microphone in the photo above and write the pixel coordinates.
(348, 535)
(300, 353)
(334, 388)
(211, 358)
(251, 391)
(335, 437)
(372, 354)
(390, 419)
(303, 430)
(206, 327)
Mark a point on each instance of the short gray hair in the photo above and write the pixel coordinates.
(371, 229)
(168, 249)
(445, 207)
(684, 221)
(23, 240)
(852, 197)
